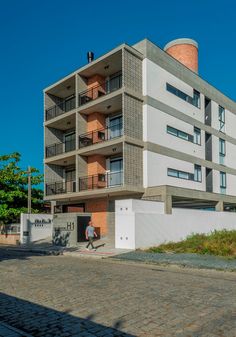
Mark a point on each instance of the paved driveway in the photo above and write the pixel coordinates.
(67, 296)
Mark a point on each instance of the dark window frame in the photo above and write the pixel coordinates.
(179, 93)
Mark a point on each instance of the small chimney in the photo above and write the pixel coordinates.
(185, 51)
(90, 56)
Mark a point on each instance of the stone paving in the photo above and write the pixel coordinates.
(66, 296)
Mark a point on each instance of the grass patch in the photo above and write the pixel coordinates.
(220, 243)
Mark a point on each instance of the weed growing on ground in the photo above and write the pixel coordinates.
(220, 243)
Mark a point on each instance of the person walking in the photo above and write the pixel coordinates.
(89, 234)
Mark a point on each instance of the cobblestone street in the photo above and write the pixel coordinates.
(68, 296)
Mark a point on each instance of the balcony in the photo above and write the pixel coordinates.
(101, 135)
(59, 148)
(101, 180)
(61, 108)
(60, 187)
(100, 90)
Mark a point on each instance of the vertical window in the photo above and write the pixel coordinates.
(222, 182)
(196, 98)
(197, 173)
(222, 151)
(221, 118)
(197, 136)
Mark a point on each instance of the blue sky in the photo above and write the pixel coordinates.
(44, 40)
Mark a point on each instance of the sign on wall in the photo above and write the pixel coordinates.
(35, 227)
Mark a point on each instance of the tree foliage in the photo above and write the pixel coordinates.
(14, 189)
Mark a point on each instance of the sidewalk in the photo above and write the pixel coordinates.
(104, 248)
(8, 331)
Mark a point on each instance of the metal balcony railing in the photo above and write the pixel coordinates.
(59, 148)
(61, 108)
(100, 90)
(101, 180)
(61, 187)
(101, 135)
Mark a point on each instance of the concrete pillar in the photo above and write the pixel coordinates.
(219, 207)
(168, 204)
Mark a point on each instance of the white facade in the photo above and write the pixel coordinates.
(141, 224)
(156, 124)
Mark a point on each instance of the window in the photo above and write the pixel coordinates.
(222, 182)
(195, 100)
(178, 133)
(221, 118)
(179, 174)
(197, 173)
(222, 151)
(197, 135)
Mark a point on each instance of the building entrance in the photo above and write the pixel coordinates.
(82, 223)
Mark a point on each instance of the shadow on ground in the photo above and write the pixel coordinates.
(40, 321)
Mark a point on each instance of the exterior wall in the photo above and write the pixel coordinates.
(95, 121)
(53, 173)
(132, 117)
(132, 72)
(37, 227)
(96, 164)
(155, 172)
(186, 54)
(154, 85)
(9, 239)
(145, 226)
(53, 136)
(98, 208)
(133, 165)
(155, 130)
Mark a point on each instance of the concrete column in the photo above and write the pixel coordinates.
(168, 204)
(219, 207)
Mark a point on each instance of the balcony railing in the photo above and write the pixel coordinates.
(59, 148)
(100, 90)
(100, 135)
(61, 187)
(101, 180)
(61, 108)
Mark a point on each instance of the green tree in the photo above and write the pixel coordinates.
(14, 189)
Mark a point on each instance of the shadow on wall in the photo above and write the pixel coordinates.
(44, 321)
(60, 238)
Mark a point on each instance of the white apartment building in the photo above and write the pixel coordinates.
(139, 122)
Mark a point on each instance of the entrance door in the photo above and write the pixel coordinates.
(82, 223)
(69, 142)
(116, 172)
(115, 127)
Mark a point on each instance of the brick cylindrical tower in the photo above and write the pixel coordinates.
(185, 51)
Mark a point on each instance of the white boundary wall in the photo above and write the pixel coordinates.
(141, 224)
(35, 227)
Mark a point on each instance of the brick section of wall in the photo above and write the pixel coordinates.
(98, 208)
(186, 54)
(98, 83)
(9, 239)
(133, 117)
(132, 72)
(133, 165)
(96, 164)
(96, 121)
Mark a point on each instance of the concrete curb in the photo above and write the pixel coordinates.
(35, 250)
